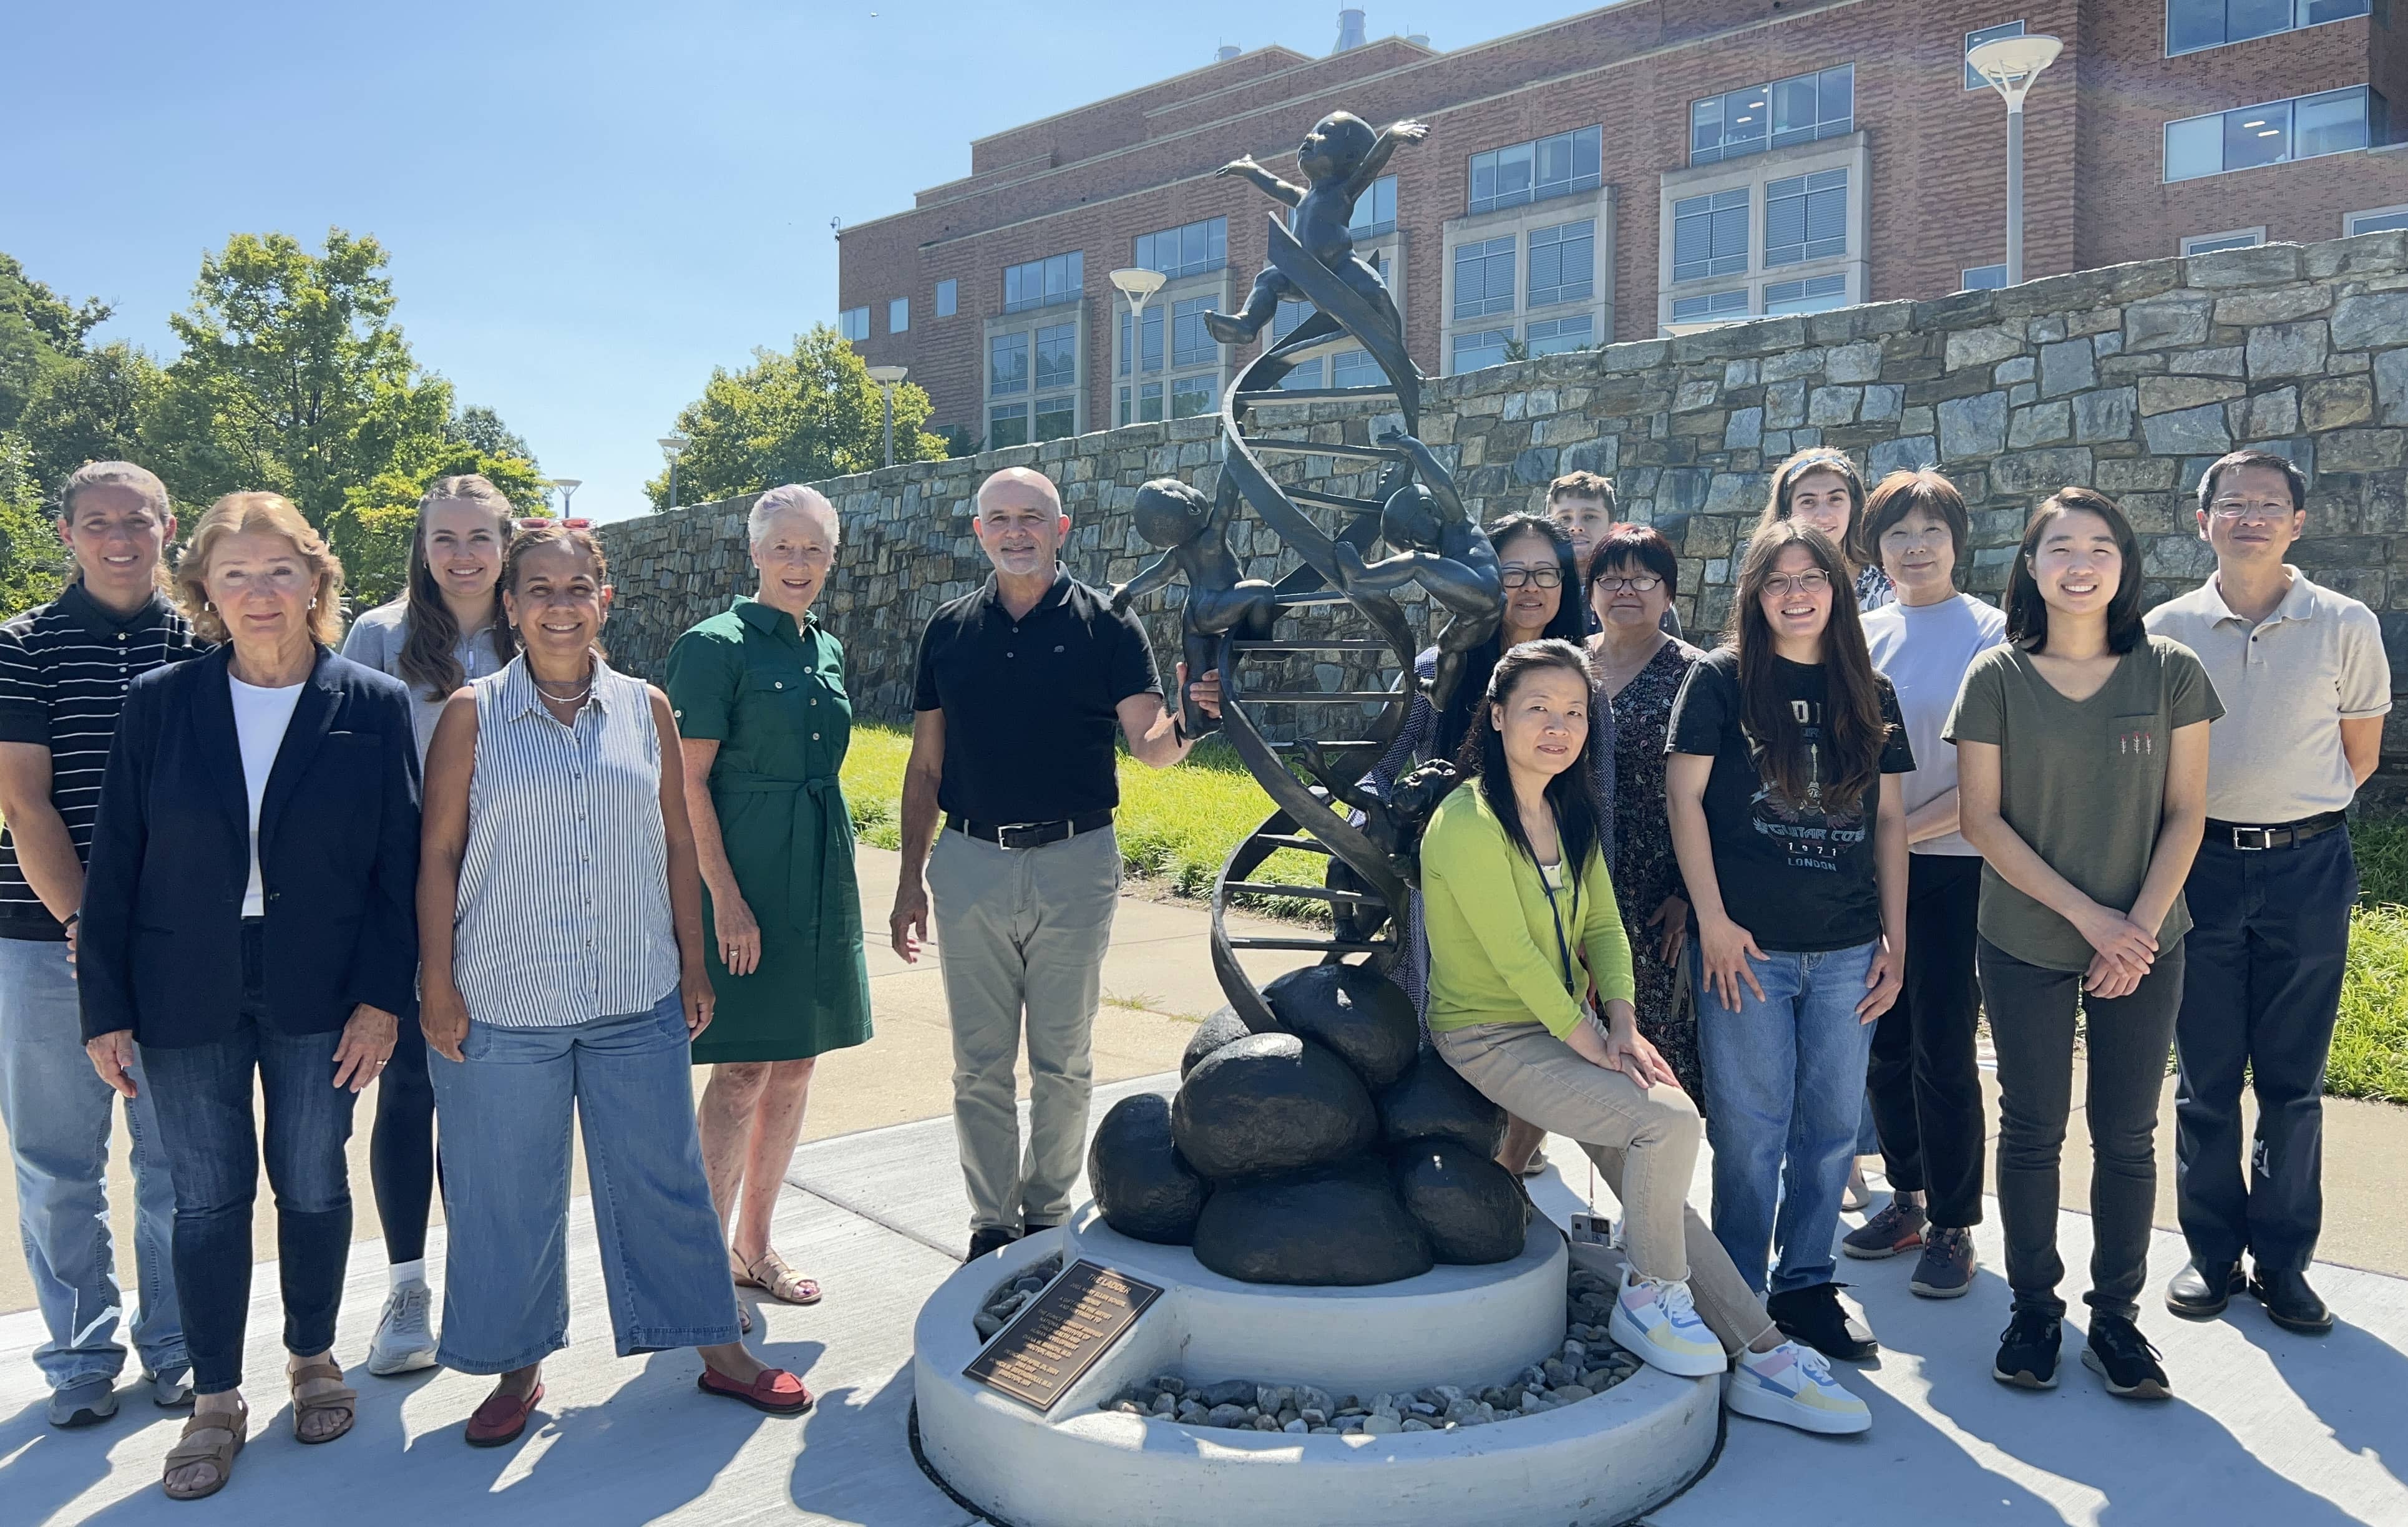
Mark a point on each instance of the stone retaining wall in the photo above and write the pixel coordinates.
(2128, 379)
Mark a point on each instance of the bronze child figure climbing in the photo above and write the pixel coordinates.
(1220, 598)
(1342, 157)
(1441, 549)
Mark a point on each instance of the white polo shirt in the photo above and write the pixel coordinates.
(2286, 683)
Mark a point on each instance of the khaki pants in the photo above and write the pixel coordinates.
(1020, 934)
(1644, 1141)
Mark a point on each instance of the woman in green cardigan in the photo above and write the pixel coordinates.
(764, 721)
(1524, 937)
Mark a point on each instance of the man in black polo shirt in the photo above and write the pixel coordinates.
(1021, 686)
(64, 668)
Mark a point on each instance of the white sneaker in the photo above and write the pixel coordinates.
(1793, 1386)
(1657, 1322)
(405, 1335)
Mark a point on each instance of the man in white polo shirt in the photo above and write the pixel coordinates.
(2305, 684)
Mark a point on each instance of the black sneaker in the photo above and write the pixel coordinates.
(2027, 1350)
(992, 1238)
(2119, 1354)
(1813, 1317)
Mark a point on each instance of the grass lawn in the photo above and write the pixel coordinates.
(1178, 824)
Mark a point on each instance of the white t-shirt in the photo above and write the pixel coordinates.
(260, 717)
(1923, 650)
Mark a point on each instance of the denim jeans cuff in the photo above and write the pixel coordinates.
(670, 1339)
(446, 1357)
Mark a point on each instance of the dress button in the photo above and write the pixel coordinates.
(815, 737)
(778, 683)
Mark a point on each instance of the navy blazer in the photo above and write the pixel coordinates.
(159, 949)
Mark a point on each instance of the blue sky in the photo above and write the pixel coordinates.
(588, 206)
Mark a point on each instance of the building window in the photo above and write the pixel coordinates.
(898, 315)
(2208, 243)
(1190, 397)
(1041, 284)
(1484, 277)
(1988, 34)
(2274, 132)
(1553, 336)
(2193, 24)
(1707, 307)
(1147, 406)
(948, 298)
(1799, 110)
(854, 324)
(1527, 172)
(2380, 219)
(1189, 250)
(1375, 210)
(1007, 364)
(1284, 322)
(1982, 278)
(1056, 417)
(1814, 294)
(1806, 217)
(1191, 344)
(1354, 369)
(1484, 348)
(1057, 357)
(1146, 354)
(1563, 263)
(1710, 234)
(1007, 424)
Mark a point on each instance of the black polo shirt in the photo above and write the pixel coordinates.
(64, 668)
(1031, 705)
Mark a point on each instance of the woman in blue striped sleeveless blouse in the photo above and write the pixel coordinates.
(562, 975)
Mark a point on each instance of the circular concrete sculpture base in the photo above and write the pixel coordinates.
(1604, 1460)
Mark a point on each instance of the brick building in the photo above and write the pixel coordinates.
(1602, 178)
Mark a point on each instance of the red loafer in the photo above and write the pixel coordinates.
(500, 1420)
(777, 1392)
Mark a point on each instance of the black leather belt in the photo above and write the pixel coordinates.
(1017, 835)
(2251, 840)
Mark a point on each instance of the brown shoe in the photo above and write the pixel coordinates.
(502, 1418)
(213, 1439)
(777, 1392)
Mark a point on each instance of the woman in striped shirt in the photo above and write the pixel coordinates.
(562, 971)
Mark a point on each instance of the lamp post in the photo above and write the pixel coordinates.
(566, 485)
(889, 378)
(2010, 64)
(1136, 284)
(673, 446)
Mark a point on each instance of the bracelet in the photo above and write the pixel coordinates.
(71, 919)
(1179, 729)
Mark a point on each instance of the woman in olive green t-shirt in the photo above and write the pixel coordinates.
(2081, 777)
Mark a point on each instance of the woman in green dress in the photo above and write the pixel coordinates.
(764, 719)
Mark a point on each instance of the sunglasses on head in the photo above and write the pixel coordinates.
(539, 520)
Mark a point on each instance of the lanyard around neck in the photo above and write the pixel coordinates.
(1555, 913)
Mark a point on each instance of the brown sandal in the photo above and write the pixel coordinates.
(207, 1439)
(779, 1281)
(319, 1387)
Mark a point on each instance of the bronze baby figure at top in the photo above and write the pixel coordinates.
(1342, 157)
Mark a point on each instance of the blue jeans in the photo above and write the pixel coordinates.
(1787, 1078)
(506, 1107)
(57, 1112)
(214, 1148)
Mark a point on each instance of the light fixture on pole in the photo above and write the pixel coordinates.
(566, 485)
(889, 378)
(673, 446)
(1136, 284)
(2010, 64)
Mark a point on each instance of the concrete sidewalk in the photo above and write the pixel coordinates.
(2267, 1428)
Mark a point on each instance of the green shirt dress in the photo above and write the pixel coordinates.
(772, 696)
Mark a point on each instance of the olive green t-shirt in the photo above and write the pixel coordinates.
(2083, 782)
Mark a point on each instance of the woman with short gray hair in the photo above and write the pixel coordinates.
(763, 718)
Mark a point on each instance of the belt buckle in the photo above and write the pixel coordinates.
(2265, 839)
(1004, 830)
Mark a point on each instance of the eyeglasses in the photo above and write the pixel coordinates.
(2242, 509)
(1531, 577)
(1814, 582)
(538, 522)
(1640, 583)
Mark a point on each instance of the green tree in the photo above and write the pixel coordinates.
(793, 417)
(482, 427)
(293, 377)
(41, 333)
(95, 408)
(33, 563)
(371, 531)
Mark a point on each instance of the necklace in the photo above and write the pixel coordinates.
(570, 698)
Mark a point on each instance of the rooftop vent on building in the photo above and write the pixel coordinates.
(1226, 51)
(1350, 29)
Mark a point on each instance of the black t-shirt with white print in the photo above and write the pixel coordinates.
(1798, 876)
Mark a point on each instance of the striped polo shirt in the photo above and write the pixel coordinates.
(64, 668)
(564, 909)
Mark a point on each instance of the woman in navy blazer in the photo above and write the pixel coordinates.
(248, 918)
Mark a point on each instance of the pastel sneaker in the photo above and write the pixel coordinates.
(1657, 1322)
(1792, 1386)
(405, 1335)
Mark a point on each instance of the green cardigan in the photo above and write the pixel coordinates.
(1493, 958)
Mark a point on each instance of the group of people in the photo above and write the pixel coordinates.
(1754, 897)
(465, 858)
(1878, 813)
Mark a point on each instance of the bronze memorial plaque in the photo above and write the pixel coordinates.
(1060, 1333)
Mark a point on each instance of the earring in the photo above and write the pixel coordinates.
(208, 609)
